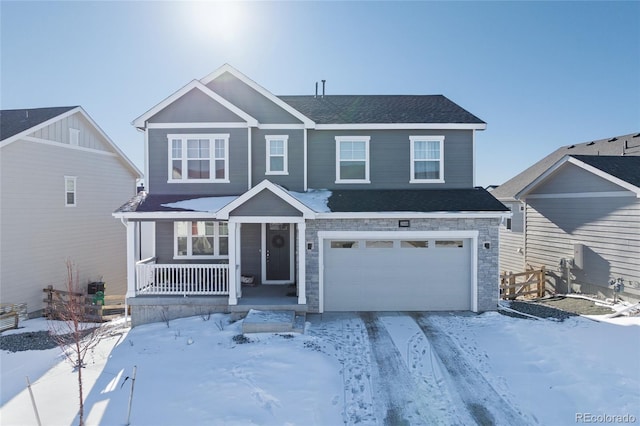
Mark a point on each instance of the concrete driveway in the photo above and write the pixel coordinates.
(401, 369)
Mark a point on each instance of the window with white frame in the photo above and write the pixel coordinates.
(427, 159)
(74, 136)
(277, 155)
(199, 158)
(352, 159)
(70, 191)
(201, 239)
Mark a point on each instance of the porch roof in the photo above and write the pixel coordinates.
(337, 201)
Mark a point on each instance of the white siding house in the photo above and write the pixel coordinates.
(60, 179)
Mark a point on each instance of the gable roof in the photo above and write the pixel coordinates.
(622, 171)
(377, 109)
(625, 145)
(15, 121)
(21, 122)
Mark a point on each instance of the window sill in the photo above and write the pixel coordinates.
(200, 257)
(277, 173)
(426, 181)
(353, 181)
(198, 181)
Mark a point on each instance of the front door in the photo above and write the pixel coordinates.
(278, 252)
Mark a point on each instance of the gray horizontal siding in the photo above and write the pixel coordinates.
(294, 180)
(265, 203)
(250, 101)
(195, 107)
(608, 227)
(510, 259)
(159, 164)
(571, 178)
(389, 153)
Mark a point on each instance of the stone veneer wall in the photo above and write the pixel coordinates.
(488, 268)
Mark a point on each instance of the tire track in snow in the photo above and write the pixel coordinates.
(482, 401)
(396, 392)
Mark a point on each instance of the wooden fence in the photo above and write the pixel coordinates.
(8, 317)
(106, 309)
(531, 283)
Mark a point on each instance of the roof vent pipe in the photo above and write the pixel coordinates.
(316, 90)
(323, 81)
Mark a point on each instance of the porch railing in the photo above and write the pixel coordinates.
(181, 279)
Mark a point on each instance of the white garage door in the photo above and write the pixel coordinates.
(397, 274)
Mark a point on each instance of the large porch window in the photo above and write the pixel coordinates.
(201, 240)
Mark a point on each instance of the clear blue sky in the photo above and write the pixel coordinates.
(541, 74)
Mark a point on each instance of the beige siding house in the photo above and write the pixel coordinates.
(60, 179)
(577, 212)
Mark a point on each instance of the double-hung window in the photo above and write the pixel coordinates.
(70, 191)
(199, 158)
(352, 159)
(277, 155)
(201, 239)
(427, 159)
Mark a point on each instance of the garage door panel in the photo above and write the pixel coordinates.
(382, 279)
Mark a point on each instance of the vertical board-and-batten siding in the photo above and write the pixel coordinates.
(609, 228)
(390, 159)
(39, 233)
(58, 131)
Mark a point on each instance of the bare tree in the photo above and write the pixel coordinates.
(73, 331)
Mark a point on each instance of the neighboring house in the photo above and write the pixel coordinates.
(351, 202)
(60, 179)
(579, 203)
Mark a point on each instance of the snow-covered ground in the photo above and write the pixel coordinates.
(346, 369)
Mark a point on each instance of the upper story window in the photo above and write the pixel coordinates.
(277, 155)
(199, 158)
(70, 191)
(427, 159)
(74, 136)
(201, 239)
(352, 159)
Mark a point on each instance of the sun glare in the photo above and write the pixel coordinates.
(220, 19)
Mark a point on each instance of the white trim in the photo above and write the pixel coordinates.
(302, 264)
(473, 152)
(74, 136)
(305, 159)
(147, 181)
(141, 122)
(426, 138)
(263, 257)
(413, 215)
(233, 266)
(67, 146)
(401, 126)
(202, 125)
(523, 193)
(307, 213)
(250, 165)
(283, 126)
(463, 234)
(366, 140)
(132, 255)
(211, 137)
(605, 194)
(267, 219)
(258, 88)
(73, 179)
(165, 215)
(285, 155)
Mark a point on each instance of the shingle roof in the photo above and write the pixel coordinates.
(356, 109)
(414, 200)
(625, 145)
(624, 168)
(14, 121)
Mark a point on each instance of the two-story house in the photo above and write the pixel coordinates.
(334, 203)
(61, 177)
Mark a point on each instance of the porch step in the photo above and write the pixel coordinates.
(273, 322)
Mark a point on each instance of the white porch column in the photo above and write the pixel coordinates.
(238, 259)
(132, 255)
(233, 297)
(302, 262)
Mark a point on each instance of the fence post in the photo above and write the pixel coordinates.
(542, 282)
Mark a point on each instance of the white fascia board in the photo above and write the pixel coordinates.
(38, 127)
(402, 126)
(413, 215)
(533, 184)
(140, 122)
(258, 88)
(472, 233)
(201, 125)
(266, 219)
(307, 213)
(164, 215)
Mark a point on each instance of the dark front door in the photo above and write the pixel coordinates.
(278, 255)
